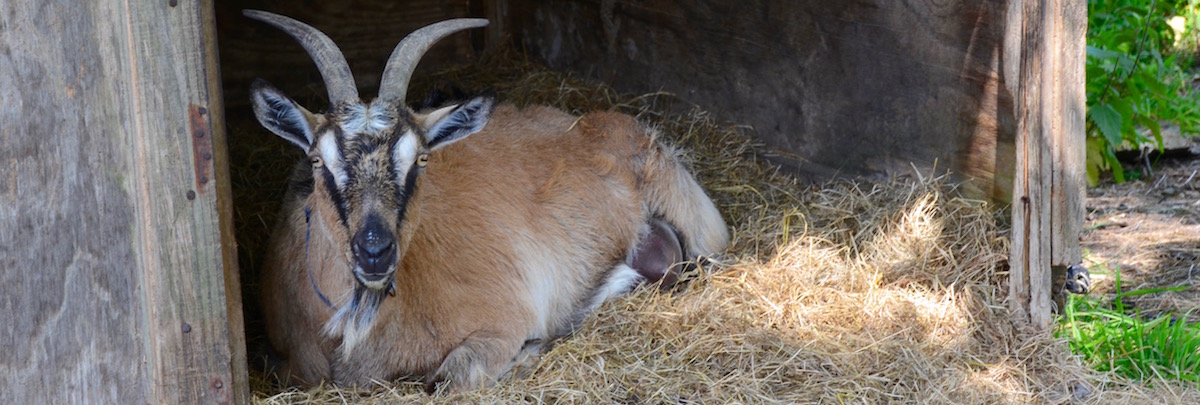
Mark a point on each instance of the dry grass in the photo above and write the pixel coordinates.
(844, 292)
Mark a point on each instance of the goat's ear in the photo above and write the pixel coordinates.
(281, 115)
(447, 125)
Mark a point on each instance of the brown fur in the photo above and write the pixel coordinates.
(507, 239)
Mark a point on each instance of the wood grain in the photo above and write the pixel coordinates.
(234, 308)
(1047, 212)
(1070, 135)
(114, 258)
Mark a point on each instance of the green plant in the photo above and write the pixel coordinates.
(1187, 38)
(1111, 339)
(1134, 78)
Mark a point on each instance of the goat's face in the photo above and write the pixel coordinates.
(367, 157)
(366, 165)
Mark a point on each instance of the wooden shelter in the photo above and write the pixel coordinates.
(121, 282)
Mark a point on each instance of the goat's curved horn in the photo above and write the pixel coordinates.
(339, 82)
(393, 85)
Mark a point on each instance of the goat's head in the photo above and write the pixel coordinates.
(367, 157)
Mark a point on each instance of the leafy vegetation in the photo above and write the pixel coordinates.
(1111, 339)
(1136, 76)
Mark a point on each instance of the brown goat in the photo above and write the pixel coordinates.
(380, 269)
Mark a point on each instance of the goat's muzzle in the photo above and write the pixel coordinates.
(374, 250)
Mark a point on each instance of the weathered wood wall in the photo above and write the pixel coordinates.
(857, 88)
(119, 281)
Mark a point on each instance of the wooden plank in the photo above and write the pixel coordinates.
(1018, 275)
(1029, 259)
(1048, 183)
(1039, 91)
(1070, 136)
(70, 290)
(1068, 192)
(239, 365)
(183, 257)
(113, 207)
(843, 88)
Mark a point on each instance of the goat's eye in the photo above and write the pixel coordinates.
(422, 159)
(316, 161)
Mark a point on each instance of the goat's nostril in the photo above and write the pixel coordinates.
(377, 249)
(373, 244)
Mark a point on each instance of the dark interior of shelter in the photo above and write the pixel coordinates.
(836, 89)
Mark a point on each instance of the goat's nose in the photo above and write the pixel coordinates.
(375, 248)
(373, 244)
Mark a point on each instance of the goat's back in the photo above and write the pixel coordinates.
(539, 202)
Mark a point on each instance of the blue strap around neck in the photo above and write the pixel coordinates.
(307, 233)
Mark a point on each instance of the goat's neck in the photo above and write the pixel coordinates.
(326, 258)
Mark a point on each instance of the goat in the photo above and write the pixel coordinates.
(447, 243)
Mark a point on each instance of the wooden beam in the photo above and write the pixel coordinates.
(1044, 57)
(115, 212)
(236, 332)
(1069, 192)
(186, 262)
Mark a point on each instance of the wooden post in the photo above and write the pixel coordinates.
(1044, 68)
(120, 281)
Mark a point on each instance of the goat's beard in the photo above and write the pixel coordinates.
(356, 315)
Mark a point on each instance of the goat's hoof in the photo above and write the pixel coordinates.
(432, 385)
(461, 371)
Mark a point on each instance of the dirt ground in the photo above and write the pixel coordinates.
(1149, 230)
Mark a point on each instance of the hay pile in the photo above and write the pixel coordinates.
(844, 292)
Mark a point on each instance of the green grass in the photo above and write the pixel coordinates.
(1111, 339)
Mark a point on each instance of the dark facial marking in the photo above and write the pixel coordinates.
(365, 148)
(339, 201)
(410, 187)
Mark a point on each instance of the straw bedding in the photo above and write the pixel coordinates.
(843, 292)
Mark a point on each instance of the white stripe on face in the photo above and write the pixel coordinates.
(328, 149)
(404, 153)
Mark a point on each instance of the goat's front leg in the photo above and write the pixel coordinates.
(477, 362)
